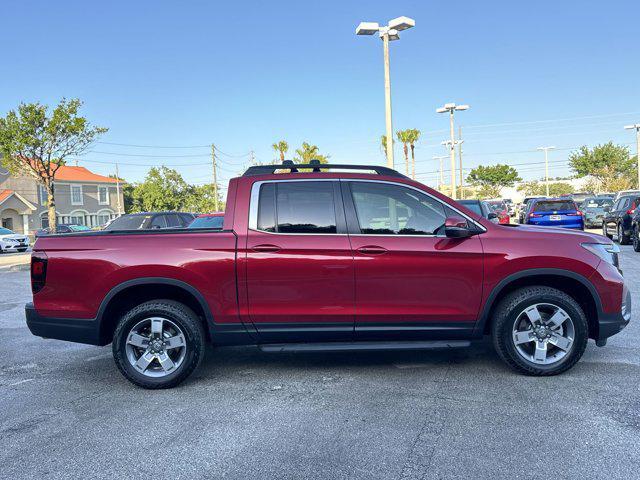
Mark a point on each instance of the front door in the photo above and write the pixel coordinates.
(300, 272)
(411, 280)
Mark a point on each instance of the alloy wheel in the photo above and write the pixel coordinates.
(156, 347)
(543, 333)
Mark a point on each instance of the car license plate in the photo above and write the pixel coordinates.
(555, 218)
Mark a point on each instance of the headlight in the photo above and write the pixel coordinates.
(606, 251)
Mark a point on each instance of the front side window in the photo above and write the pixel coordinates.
(385, 209)
(297, 207)
(76, 194)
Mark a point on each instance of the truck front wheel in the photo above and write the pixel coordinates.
(158, 344)
(540, 330)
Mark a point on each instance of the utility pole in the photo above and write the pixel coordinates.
(252, 158)
(546, 166)
(441, 158)
(387, 33)
(451, 108)
(118, 203)
(636, 127)
(215, 178)
(460, 161)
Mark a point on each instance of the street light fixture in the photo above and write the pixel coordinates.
(636, 127)
(452, 107)
(546, 165)
(387, 33)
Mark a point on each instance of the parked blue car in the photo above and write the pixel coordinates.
(555, 212)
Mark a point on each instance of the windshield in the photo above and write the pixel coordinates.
(5, 231)
(128, 222)
(554, 206)
(597, 202)
(78, 228)
(207, 222)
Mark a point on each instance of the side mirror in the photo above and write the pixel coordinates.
(492, 216)
(456, 227)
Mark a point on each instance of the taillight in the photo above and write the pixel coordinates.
(38, 271)
(631, 211)
(577, 214)
(534, 215)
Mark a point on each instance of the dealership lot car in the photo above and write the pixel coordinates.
(557, 212)
(617, 220)
(594, 210)
(329, 261)
(13, 242)
(481, 208)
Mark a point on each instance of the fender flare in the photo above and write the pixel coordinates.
(557, 272)
(154, 280)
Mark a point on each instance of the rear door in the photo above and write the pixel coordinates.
(300, 269)
(411, 281)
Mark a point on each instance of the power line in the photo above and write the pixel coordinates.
(153, 146)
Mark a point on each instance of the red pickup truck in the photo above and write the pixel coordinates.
(334, 257)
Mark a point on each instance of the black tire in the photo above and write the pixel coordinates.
(22, 249)
(507, 313)
(636, 238)
(604, 231)
(622, 238)
(176, 312)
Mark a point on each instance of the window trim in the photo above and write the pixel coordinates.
(71, 186)
(107, 196)
(350, 205)
(347, 204)
(337, 199)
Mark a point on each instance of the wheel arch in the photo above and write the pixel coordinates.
(133, 292)
(571, 283)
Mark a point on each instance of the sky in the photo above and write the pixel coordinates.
(170, 78)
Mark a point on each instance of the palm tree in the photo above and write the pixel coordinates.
(281, 147)
(309, 152)
(404, 136)
(414, 136)
(383, 145)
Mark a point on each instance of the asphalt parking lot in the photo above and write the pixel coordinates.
(66, 412)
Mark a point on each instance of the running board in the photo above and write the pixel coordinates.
(362, 346)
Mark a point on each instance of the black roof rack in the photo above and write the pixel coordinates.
(316, 167)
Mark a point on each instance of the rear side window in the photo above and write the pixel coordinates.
(297, 207)
(554, 206)
(159, 221)
(207, 222)
(173, 220)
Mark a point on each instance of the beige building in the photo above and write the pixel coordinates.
(82, 197)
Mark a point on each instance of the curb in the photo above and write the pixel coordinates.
(25, 267)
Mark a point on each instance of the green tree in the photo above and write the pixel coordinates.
(162, 189)
(281, 148)
(383, 145)
(404, 136)
(309, 152)
(414, 136)
(535, 187)
(609, 165)
(492, 179)
(201, 199)
(36, 142)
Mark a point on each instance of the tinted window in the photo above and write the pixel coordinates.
(159, 221)
(186, 218)
(173, 220)
(128, 222)
(305, 207)
(596, 202)
(384, 209)
(552, 206)
(207, 222)
(267, 208)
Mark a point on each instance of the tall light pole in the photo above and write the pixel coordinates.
(441, 158)
(546, 165)
(452, 107)
(636, 127)
(387, 33)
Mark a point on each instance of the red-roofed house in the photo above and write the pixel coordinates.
(82, 197)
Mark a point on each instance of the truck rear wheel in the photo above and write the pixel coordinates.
(540, 331)
(158, 344)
